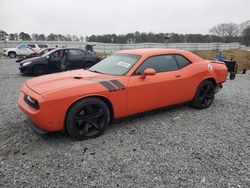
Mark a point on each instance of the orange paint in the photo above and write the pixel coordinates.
(55, 93)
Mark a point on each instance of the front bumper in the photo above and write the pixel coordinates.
(34, 127)
(25, 69)
(5, 53)
(43, 118)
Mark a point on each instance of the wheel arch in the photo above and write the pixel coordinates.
(212, 80)
(39, 64)
(11, 52)
(89, 61)
(103, 98)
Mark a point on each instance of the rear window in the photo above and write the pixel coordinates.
(75, 52)
(182, 61)
(42, 45)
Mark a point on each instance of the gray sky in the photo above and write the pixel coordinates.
(87, 17)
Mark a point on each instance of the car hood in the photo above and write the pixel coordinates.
(10, 49)
(33, 59)
(60, 81)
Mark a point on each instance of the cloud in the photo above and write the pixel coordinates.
(86, 17)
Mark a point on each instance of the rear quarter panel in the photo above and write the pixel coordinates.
(220, 72)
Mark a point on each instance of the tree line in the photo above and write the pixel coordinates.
(225, 32)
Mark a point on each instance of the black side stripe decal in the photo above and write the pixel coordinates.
(108, 85)
(117, 84)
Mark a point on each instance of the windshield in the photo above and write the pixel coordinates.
(49, 53)
(117, 64)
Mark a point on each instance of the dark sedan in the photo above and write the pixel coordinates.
(60, 59)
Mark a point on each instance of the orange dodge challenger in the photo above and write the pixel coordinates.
(83, 102)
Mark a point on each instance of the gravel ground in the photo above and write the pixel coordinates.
(181, 147)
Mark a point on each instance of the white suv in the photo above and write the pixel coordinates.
(23, 49)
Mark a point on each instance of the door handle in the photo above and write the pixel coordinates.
(178, 75)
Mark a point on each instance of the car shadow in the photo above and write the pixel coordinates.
(59, 136)
(150, 113)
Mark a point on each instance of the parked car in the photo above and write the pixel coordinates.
(23, 50)
(83, 102)
(57, 60)
(35, 54)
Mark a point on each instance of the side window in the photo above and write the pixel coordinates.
(75, 52)
(160, 63)
(31, 45)
(181, 61)
(57, 54)
(22, 47)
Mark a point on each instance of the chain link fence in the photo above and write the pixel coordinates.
(107, 48)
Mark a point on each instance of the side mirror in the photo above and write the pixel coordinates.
(47, 57)
(148, 72)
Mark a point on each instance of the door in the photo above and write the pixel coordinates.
(159, 90)
(22, 50)
(76, 58)
(55, 61)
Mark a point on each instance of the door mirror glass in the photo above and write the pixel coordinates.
(148, 72)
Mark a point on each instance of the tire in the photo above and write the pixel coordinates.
(88, 65)
(204, 95)
(38, 70)
(232, 76)
(12, 54)
(87, 118)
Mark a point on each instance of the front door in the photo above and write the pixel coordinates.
(55, 61)
(159, 90)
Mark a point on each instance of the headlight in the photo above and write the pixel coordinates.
(27, 63)
(32, 102)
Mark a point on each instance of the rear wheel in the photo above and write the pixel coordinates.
(204, 95)
(232, 76)
(12, 55)
(87, 118)
(88, 65)
(38, 70)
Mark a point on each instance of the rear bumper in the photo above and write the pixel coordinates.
(218, 88)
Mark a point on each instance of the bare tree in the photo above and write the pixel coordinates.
(35, 36)
(246, 36)
(243, 26)
(226, 30)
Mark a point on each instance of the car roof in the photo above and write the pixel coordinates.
(69, 48)
(162, 51)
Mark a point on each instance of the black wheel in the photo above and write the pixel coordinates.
(232, 76)
(12, 55)
(38, 70)
(87, 118)
(204, 95)
(88, 65)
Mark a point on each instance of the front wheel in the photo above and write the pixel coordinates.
(12, 55)
(87, 118)
(38, 70)
(204, 95)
